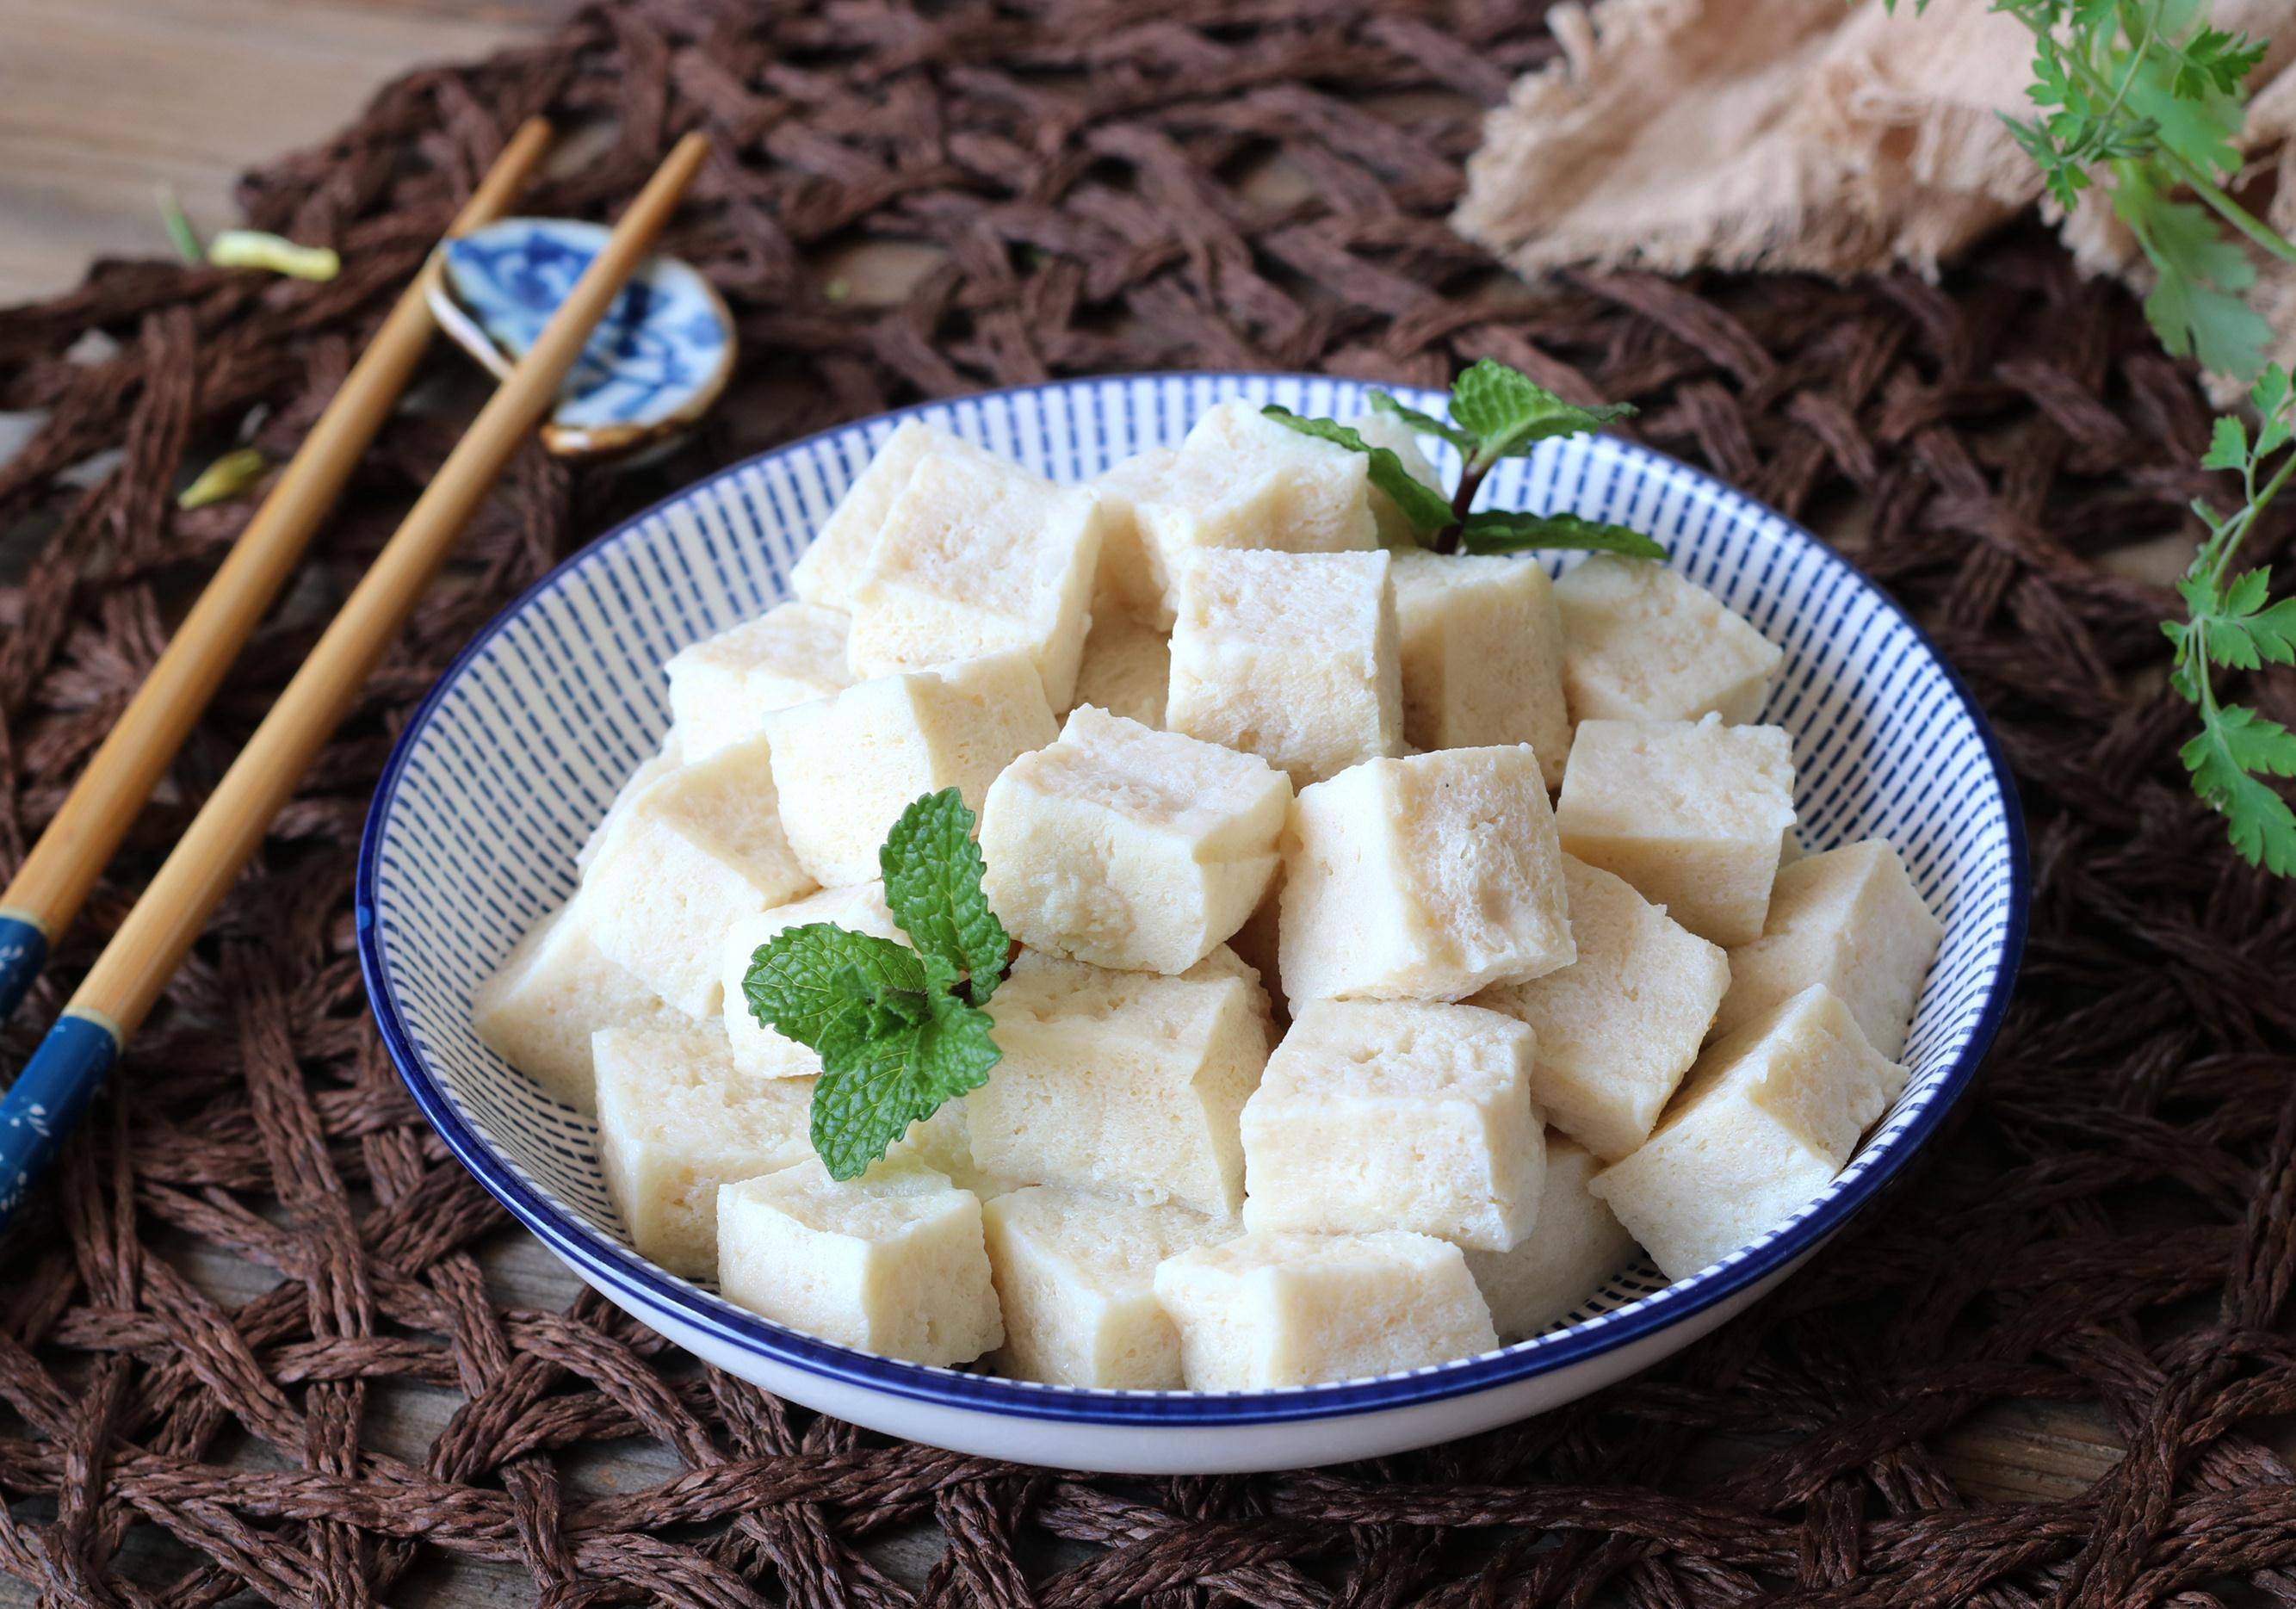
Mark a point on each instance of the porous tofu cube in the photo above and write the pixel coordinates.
(1292, 657)
(892, 1262)
(975, 560)
(1619, 1026)
(1130, 848)
(650, 770)
(847, 766)
(1396, 529)
(1694, 814)
(1852, 920)
(1392, 1114)
(677, 1120)
(758, 1050)
(1767, 1118)
(1275, 1309)
(1240, 481)
(1123, 1081)
(700, 850)
(1482, 655)
(1258, 943)
(829, 570)
(551, 992)
(1126, 668)
(1425, 879)
(1576, 1244)
(722, 688)
(1076, 1278)
(1643, 643)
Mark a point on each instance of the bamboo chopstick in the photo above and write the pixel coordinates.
(48, 888)
(56, 1085)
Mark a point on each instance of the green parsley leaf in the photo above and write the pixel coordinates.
(807, 979)
(873, 1086)
(2227, 445)
(2269, 398)
(1509, 413)
(1426, 424)
(2194, 307)
(1508, 531)
(1425, 506)
(2232, 748)
(933, 873)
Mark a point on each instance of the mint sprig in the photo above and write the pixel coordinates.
(1510, 531)
(899, 1031)
(1420, 503)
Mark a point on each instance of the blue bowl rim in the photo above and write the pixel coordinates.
(618, 1270)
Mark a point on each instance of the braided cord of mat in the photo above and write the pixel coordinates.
(1084, 187)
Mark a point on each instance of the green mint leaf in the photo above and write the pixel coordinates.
(872, 1087)
(1507, 531)
(933, 873)
(1426, 424)
(1422, 504)
(808, 982)
(2227, 446)
(1508, 411)
(2222, 758)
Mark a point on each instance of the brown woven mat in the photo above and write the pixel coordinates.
(1111, 185)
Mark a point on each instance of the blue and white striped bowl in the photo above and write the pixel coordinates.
(515, 755)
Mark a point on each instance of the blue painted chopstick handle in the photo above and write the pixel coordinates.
(45, 1103)
(23, 951)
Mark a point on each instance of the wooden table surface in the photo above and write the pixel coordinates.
(101, 101)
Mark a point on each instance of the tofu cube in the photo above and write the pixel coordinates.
(1427, 879)
(1126, 668)
(677, 1120)
(1272, 1308)
(975, 560)
(1643, 643)
(1694, 813)
(1130, 848)
(551, 992)
(891, 1263)
(830, 571)
(650, 770)
(1292, 657)
(1482, 655)
(722, 688)
(758, 1050)
(1076, 1278)
(1396, 530)
(1852, 920)
(1576, 1244)
(1123, 1081)
(847, 766)
(700, 850)
(1240, 481)
(1619, 1026)
(1391, 1114)
(1767, 1118)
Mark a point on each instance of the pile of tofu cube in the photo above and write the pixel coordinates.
(1334, 1048)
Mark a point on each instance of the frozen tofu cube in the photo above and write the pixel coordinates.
(1423, 879)
(1274, 1309)
(722, 688)
(1852, 920)
(1642, 643)
(1482, 655)
(1576, 1244)
(1240, 481)
(1122, 1081)
(1076, 1278)
(1619, 1026)
(1392, 1114)
(760, 1051)
(1130, 848)
(1767, 1118)
(663, 762)
(1292, 657)
(828, 572)
(975, 560)
(847, 766)
(677, 1120)
(1126, 668)
(700, 850)
(1694, 814)
(892, 1262)
(551, 992)
(1396, 529)
(1257, 943)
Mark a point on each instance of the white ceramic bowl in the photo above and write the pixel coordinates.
(515, 754)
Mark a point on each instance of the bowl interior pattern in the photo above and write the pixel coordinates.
(518, 751)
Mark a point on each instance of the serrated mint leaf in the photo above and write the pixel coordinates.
(933, 873)
(1425, 423)
(2227, 445)
(808, 979)
(1509, 530)
(1422, 504)
(873, 1088)
(1508, 413)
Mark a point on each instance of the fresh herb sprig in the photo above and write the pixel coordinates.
(899, 1030)
(1497, 412)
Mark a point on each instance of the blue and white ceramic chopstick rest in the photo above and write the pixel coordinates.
(659, 358)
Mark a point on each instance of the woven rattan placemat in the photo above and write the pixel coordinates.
(1097, 186)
